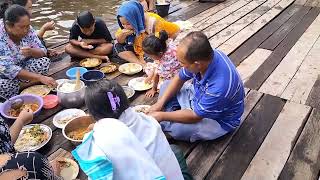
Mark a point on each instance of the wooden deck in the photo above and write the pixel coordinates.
(275, 45)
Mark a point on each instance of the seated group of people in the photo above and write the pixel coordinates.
(201, 95)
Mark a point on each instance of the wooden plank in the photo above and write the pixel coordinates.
(60, 65)
(253, 42)
(206, 153)
(229, 10)
(313, 98)
(281, 76)
(265, 165)
(304, 161)
(300, 2)
(60, 153)
(233, 17)
(183, 6)
(205, 20)
(252, 63)
(205, 15)
(267, 7)
(263, 72)
(245, 143)
(301, 84)
(312, 3)
(273, 41)
(230, 45)
(193, 11)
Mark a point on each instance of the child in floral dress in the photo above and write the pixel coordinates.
(163, 51)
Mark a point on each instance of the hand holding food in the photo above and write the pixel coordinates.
(48, 81)
(85, 45)
(25, 116)
(48, 26)
(26, 51)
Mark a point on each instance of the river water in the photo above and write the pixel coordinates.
(63, 12)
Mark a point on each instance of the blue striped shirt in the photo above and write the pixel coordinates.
(219, 95)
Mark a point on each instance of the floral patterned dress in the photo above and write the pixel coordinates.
(12, 61)
(168, 65)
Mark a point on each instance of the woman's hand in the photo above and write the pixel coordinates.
(48, 26)
(48, 81)
(26, 51)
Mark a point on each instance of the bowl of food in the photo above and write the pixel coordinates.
(139, 84)
(63, 117)
(90, 62)
(72, 72)
(108, 68)
(129, 91)
(130, 68)
(69, 168)
(75, 129)
(33, 137)
(69, 96)
(50, 101)
(33, 102)
(92, 76)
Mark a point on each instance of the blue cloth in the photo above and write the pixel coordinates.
(134, 14)
(97, 167)
(219, 95)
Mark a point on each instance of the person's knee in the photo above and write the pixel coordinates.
(104, 49)
(69, 48)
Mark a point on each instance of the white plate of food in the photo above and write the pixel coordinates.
(69, 168)
(39, 90)
(130, 68)
(108, 68)
(63, 117)
(90, 62)
(142, 108)
(138, 84)
(129, 91)
(33, 137)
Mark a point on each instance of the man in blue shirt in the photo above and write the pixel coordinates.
(212, 104)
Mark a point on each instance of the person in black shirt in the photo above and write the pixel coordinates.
(96, 40)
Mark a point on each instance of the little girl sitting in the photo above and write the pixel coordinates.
(163, 51)
(132, 147)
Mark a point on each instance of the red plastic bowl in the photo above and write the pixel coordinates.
(50, 101)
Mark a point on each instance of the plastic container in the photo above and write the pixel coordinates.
(27, 98)
(92, 76)
(50, 101)
(163, 9)
(71, 73)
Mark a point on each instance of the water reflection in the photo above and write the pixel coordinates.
(63, 12)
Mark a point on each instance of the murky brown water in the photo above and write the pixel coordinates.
(63, 12)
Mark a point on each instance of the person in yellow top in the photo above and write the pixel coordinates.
(135, 26)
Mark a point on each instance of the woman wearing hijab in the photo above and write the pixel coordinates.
(135, 26)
